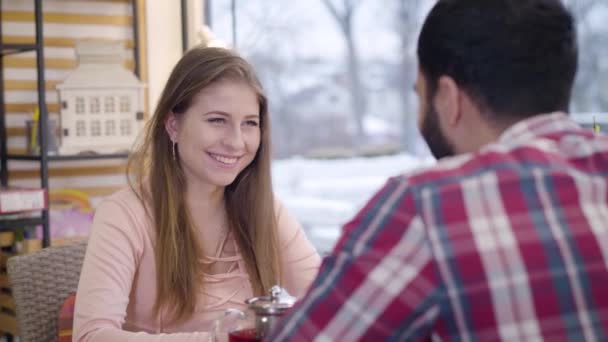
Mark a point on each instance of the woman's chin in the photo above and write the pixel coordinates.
(223, 181)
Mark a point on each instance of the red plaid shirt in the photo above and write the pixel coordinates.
(509, 243)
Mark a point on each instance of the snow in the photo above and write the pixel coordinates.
(377, 126)
(325, 194)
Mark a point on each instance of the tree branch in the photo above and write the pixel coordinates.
(343, 19)
(333, 10)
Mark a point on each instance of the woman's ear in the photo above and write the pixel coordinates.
(447, 100)
(172, 126)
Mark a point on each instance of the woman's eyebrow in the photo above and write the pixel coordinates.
(217, 112)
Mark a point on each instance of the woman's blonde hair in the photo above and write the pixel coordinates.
(249, 200)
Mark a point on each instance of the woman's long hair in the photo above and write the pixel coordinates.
(158, 180)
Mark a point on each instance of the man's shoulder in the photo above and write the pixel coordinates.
(452, 170)
(444, 169)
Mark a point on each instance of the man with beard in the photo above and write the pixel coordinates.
(506, 237)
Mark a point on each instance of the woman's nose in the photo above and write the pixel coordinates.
(234, 138)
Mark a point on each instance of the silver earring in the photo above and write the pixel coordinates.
(174, 153)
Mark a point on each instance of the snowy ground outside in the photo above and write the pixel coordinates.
(324, 194)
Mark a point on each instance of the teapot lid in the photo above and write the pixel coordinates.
(276, 303)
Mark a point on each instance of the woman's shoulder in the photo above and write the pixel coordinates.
(287, 225)
(122, 213)
(121, 205)
(126, 198)
(280, 212)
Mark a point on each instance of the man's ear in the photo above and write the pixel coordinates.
(447, 100)
(172, 126)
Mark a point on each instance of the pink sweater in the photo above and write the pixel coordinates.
(117, 285)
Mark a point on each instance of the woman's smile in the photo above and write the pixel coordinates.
(224, 160)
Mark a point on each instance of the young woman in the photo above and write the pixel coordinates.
(199, 229)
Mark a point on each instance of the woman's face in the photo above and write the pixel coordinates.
(219, 135)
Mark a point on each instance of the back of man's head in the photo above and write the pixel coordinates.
(513, 57)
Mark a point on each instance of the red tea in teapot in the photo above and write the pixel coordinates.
(244, 335)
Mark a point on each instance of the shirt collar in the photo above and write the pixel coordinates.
(535, 126)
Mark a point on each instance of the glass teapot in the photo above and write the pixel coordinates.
(257, 322)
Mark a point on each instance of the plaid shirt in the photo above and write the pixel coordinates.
(509, 243)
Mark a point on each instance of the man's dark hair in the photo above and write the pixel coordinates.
(515, 57)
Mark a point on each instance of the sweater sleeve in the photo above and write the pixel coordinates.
(114, 249)
(299, 259)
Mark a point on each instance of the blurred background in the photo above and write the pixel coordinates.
(339, 76)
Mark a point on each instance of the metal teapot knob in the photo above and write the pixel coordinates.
(269, 309)
(281, 296)
(275, 292)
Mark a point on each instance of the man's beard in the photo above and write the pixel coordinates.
(431, 132)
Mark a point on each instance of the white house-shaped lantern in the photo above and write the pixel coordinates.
(102, 103)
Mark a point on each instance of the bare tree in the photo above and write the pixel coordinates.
(343, 12)
(407, 24)
(275, 60)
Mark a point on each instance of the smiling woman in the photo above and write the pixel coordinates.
(199, 230)
(218, 136)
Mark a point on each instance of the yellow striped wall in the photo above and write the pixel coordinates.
(65, 22)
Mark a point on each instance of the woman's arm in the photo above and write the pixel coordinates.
(113, 254)
(299, 259)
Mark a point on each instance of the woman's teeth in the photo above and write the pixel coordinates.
(224, 160)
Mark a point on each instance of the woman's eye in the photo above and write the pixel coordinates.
(252, 123)
(216, 120)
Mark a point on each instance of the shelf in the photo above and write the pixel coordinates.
(68, 157)
(10, 49)
(14, 223)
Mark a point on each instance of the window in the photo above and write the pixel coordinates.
(318, 77)
(109, 104)
(125, 127)
(79, 105)
(319, 106)
(94, 105)
(125, 104)
(589, 95)
(110, 128)
(338, 74)
(95, 128)
(81, 128)
(300, 53)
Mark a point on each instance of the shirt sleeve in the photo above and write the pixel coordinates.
(299, 259)
(379, 283)
(108, 270)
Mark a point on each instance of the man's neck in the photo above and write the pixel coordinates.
(485, 132)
